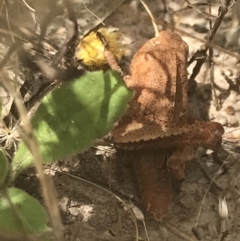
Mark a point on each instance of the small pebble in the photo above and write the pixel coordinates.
(188, 201)
(74, 211)
(64, 203)
(230, 110)
(228, 72)
(73, 203)
(197, 233)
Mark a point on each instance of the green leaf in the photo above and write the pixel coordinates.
(29, 215)
(4, 168)
(71, 118)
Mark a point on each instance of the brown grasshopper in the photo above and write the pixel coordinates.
(157, 118)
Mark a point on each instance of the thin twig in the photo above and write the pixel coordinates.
(194, 6)
(211, 65)
(210, 44)
(52, 12)
(32, 13)
(117, 5)
(93, 14)
(223, 9)
(197, 9)
(226, 133)
(165, 9)
(8, 23)
(207, 191)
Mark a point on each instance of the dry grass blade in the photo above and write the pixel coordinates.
(128, 207)
(154, 23)
(32, 13)
(233, 135)
(178, 232)
(211, 64)
(93, 184)
(8, 23)
(32, 144)
(207, 191)
(1, 6)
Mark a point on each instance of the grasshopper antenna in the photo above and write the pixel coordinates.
(152, 18)
(109, 55)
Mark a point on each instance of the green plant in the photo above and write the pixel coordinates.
(67, 122)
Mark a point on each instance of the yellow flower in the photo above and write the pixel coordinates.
(90, 49)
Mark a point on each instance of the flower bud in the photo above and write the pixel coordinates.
(222, 208)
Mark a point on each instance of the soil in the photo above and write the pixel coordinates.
(97, 194)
